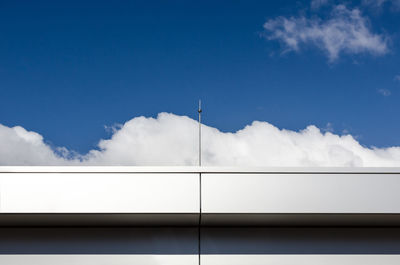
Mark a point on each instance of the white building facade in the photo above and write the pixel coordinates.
(199, 215)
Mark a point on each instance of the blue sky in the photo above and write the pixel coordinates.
(70, 68)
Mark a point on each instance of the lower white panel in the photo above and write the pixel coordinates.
(300, 259)
(205, 259)
(99, 259)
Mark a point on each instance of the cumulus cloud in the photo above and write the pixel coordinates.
(21, 147)
(344, 31)
(172, 140)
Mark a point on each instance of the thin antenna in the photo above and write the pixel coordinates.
(199, 228)
(199, 132)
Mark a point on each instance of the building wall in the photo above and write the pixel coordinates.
(208, 216)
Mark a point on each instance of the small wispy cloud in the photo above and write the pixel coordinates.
(328, 127)
(397, 78)
(344, 31)
(384, 92)
(376, 3)
(316, 4)
(345, 131)
(380, 3)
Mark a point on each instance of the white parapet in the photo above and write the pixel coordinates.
(303, 197)
(97, 197)
(227, 196)
(99, 193)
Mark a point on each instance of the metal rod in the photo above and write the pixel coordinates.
(199, 235)
(200, 110)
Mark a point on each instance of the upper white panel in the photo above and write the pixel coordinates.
(300, 193)
(99, 193)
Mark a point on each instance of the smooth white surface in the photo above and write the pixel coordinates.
(38, 190)
(300, 259)
(205, 259)
(300, 193)
(99, 193)
(99, 259)
(194, 169)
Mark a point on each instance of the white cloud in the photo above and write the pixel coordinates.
(345, 31)
(328, 128)
(316, 4)
(172, 140)
(380, 3)
(21, 147)
(384, 92)
(397, 78)
(376, 3)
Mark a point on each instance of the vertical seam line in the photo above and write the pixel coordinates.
(199, 228)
